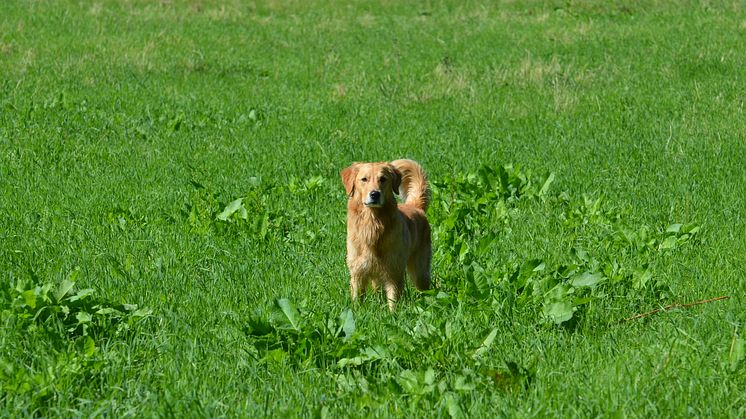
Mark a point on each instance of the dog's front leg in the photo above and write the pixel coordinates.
(394, 289)
(393, 293)
(358, 285)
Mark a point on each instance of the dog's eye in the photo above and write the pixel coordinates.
(365, 179)
(382, 180)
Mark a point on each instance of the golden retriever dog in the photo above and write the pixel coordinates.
(385, 238)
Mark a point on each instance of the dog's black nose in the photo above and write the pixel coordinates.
(375, 195)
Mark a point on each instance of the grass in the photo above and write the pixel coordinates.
(131, 286)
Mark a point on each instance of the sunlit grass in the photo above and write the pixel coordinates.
(178, 161)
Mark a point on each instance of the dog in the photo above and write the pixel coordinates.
(385, 238)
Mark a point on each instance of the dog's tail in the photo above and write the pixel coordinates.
(413, 188)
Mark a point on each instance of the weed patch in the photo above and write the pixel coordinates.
(603, 259)
(54, 336)
(259, 215)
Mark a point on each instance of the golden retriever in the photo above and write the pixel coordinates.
(385, 238)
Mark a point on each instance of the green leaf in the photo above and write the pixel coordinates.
(580, 301)
(43, 293)
(559, 311)
(354, 361)
(674, 228)
(290, 312)
(547, 183)
(264, 226)
(29, 298)
(82, 294)
(408, 380)
(486, 174)
(367, 355)
(142, 312)
(736, 354)
(668, 243)
(258, 327)
(479, 276)
(89, 347)
(83, 317)
(430, 376)
(376, 352)
(640, 278)
(485, 346)
(452, 403)
(275, 356)
(254, 181)
(540, 267)
(486, 243)
(462, 384)
(690, 229)
(347, 320)
(587, 279)
(448, 329)
(232, 208)
(415, 382)
(107, 310)
(463, 251)
(63, 289)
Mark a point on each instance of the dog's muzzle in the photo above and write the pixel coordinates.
(374, 199)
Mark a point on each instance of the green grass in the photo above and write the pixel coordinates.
(127, 127)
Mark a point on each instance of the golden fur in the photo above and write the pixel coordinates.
(385, 239)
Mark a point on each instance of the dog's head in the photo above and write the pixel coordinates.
(374, 184)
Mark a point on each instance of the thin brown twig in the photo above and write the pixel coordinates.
(672, 306)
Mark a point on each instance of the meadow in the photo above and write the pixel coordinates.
(172, 221)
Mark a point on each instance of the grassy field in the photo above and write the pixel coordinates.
(172, 230)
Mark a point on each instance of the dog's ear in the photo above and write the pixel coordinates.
(348, 178)
(396, 181)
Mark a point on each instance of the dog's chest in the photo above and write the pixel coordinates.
(371, 258)
(374, 243)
